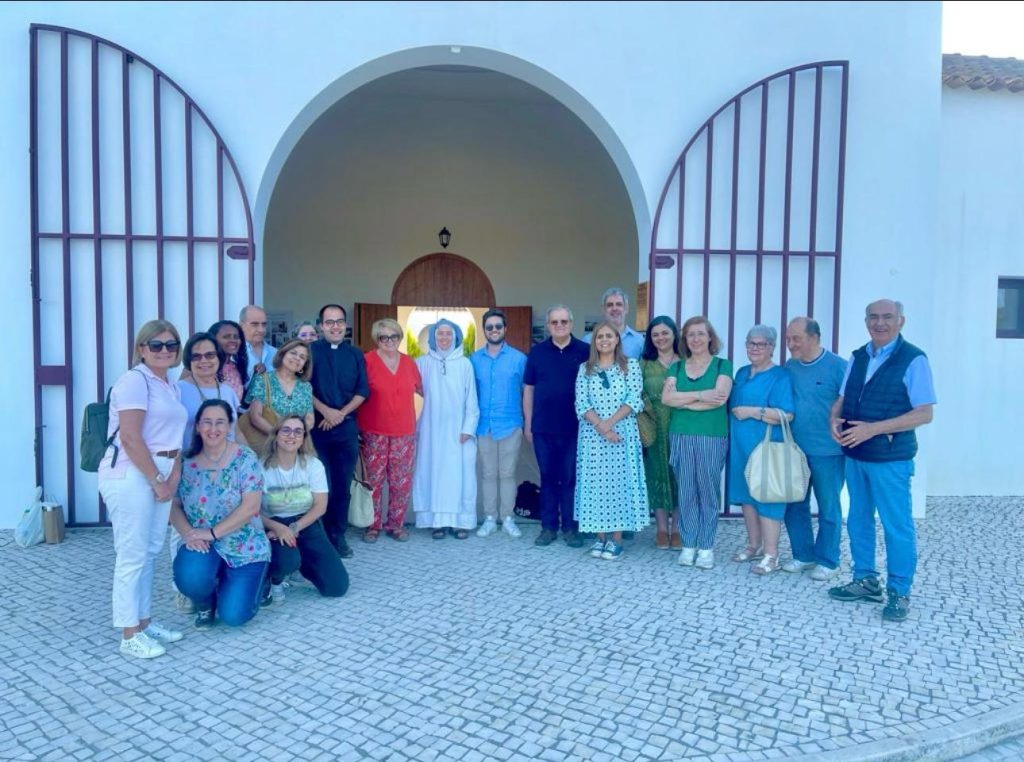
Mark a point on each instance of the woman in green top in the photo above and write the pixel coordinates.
(661, 351)
(698, 389)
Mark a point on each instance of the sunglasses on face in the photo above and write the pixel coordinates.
(388, 337)
(160, 346)
(494, 327)
(197, 356)
(560, 322)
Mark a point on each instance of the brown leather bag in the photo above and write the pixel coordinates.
(256, 438)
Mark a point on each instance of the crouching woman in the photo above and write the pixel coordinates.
(294, 499)
(216, 512)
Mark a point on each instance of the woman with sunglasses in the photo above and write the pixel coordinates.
(387, 421)
(204, 359)
(611, 488)
(216, 512)
(137, 479)
(294, 499)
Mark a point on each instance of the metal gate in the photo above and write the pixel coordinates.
(137, 211)
(749, 226)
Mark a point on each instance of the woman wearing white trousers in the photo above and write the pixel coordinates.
(137, 479)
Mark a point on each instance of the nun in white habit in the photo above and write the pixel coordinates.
(444, 484)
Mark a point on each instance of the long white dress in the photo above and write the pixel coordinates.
(444, 484)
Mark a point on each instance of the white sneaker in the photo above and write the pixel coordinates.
(795, 567)
(184, 604)
(824, 574)
(161, 634)
(686, 556)
(141, 647)
(510, 528)
(277, 592)
(705, 559)
(487, 528)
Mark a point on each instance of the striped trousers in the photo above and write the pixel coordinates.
(698, 462)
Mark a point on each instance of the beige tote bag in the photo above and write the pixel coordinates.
(777, 472)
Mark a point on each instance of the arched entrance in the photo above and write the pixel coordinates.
(537, 193)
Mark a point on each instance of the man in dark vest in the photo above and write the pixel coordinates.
(887, 393)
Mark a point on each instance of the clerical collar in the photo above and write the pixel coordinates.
(334, 346)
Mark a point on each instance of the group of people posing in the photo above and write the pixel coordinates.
(251, 452)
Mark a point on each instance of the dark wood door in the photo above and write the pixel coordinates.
(520, 327)
(365, 315)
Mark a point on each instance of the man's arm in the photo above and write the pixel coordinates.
(528, 412)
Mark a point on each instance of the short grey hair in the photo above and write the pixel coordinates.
(765, 332)
(244, 312)
(899, 307)
(811, 327)
(553, 307)
(614, 291)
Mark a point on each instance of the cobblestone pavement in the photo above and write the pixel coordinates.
(495, 649)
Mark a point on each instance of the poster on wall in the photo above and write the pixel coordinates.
(279, 327)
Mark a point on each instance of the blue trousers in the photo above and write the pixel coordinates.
(211, 584)
(556, 457)
(827, 474)
(885, 487)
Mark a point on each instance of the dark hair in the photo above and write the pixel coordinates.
(494, 312)
(320, 314)
(196, 445)
(650, 351)
(307, 368)
(714, 343)
(592, 360)
(241, 360)
(186, 353)
(811, 327)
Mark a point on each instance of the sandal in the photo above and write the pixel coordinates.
(438, 534)
(460, 534)
(661, 540)
(675, 541)
(398, 534)
(371, 535)
(767, 565)
(749, 553)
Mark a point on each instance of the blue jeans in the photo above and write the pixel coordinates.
(556, 457)
(827, 474)
(885, 487)
(233, 591)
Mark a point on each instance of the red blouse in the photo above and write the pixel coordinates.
(390, 409)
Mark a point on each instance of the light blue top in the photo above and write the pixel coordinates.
(815, 387)
(255, 358)
(917, 379)
(772, 388)
(499, 387)
(632, 343)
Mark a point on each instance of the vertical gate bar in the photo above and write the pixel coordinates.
(65, 219)
(787, 212)
(126, 142)
(97, 218)
(734, 223)
(158, 172)
(839, 206)
(190, 221)
(760, 203)
(220, 230)
(812, 234)
(708, 174)
(679, 252)
(33, 174)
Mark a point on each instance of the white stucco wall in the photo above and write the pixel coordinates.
(643, 75)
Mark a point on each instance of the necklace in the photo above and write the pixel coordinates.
(668, 364)
(200, 388)
(220, 458)
(289, 479)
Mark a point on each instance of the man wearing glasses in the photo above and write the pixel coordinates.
(550, 422)
(887, 393)
(615, 305)
(339, 388)
(498, 369)
(254, 325)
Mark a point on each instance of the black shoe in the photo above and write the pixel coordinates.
(572, 539)
(341, 545)
(204, 619)
(545, 538)
(267, 598)
(866, 589)
(897, 607)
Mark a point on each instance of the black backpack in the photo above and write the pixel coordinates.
(94, 442)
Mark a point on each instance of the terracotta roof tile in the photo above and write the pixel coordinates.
(982, 72)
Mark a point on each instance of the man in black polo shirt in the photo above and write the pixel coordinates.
(339, 387)
(550, 422)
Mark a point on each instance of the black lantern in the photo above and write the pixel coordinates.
(445, 237)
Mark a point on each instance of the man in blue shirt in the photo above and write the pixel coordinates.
(550, 423)
(254, 325)
(615, 305)
(817, 375)
(499, 372)
(887, 393)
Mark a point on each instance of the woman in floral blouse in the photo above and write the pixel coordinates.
(284, 391)
(216, 512)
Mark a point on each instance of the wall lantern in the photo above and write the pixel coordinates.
(445, 237)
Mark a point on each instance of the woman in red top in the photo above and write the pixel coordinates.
(387, 421)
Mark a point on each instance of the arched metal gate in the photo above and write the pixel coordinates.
(138, 211)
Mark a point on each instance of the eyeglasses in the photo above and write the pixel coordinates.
(559, 322)
(306, 335)
(494, 327)
(604, 379)
(388, 337)
(160, 346)
(289, 432)
(197, 356)
(758, 345)
(334, 323)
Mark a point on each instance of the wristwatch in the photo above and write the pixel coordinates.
(158, 479)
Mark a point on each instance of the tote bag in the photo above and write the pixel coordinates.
(256, 438)
(360, 507)
(777, 472)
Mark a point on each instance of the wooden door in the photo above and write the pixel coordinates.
(520, 327)
(364, 316)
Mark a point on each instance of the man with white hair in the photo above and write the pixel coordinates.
(253, 320)
(615, 306)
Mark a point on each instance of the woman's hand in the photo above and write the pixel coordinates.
(743, 412)
(198, 539)
(714, 396)
(164, 491)
(285, 535)
(604, 426)
(463, 438)
(611, 436)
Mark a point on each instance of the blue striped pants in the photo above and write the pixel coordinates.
(698, 462)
